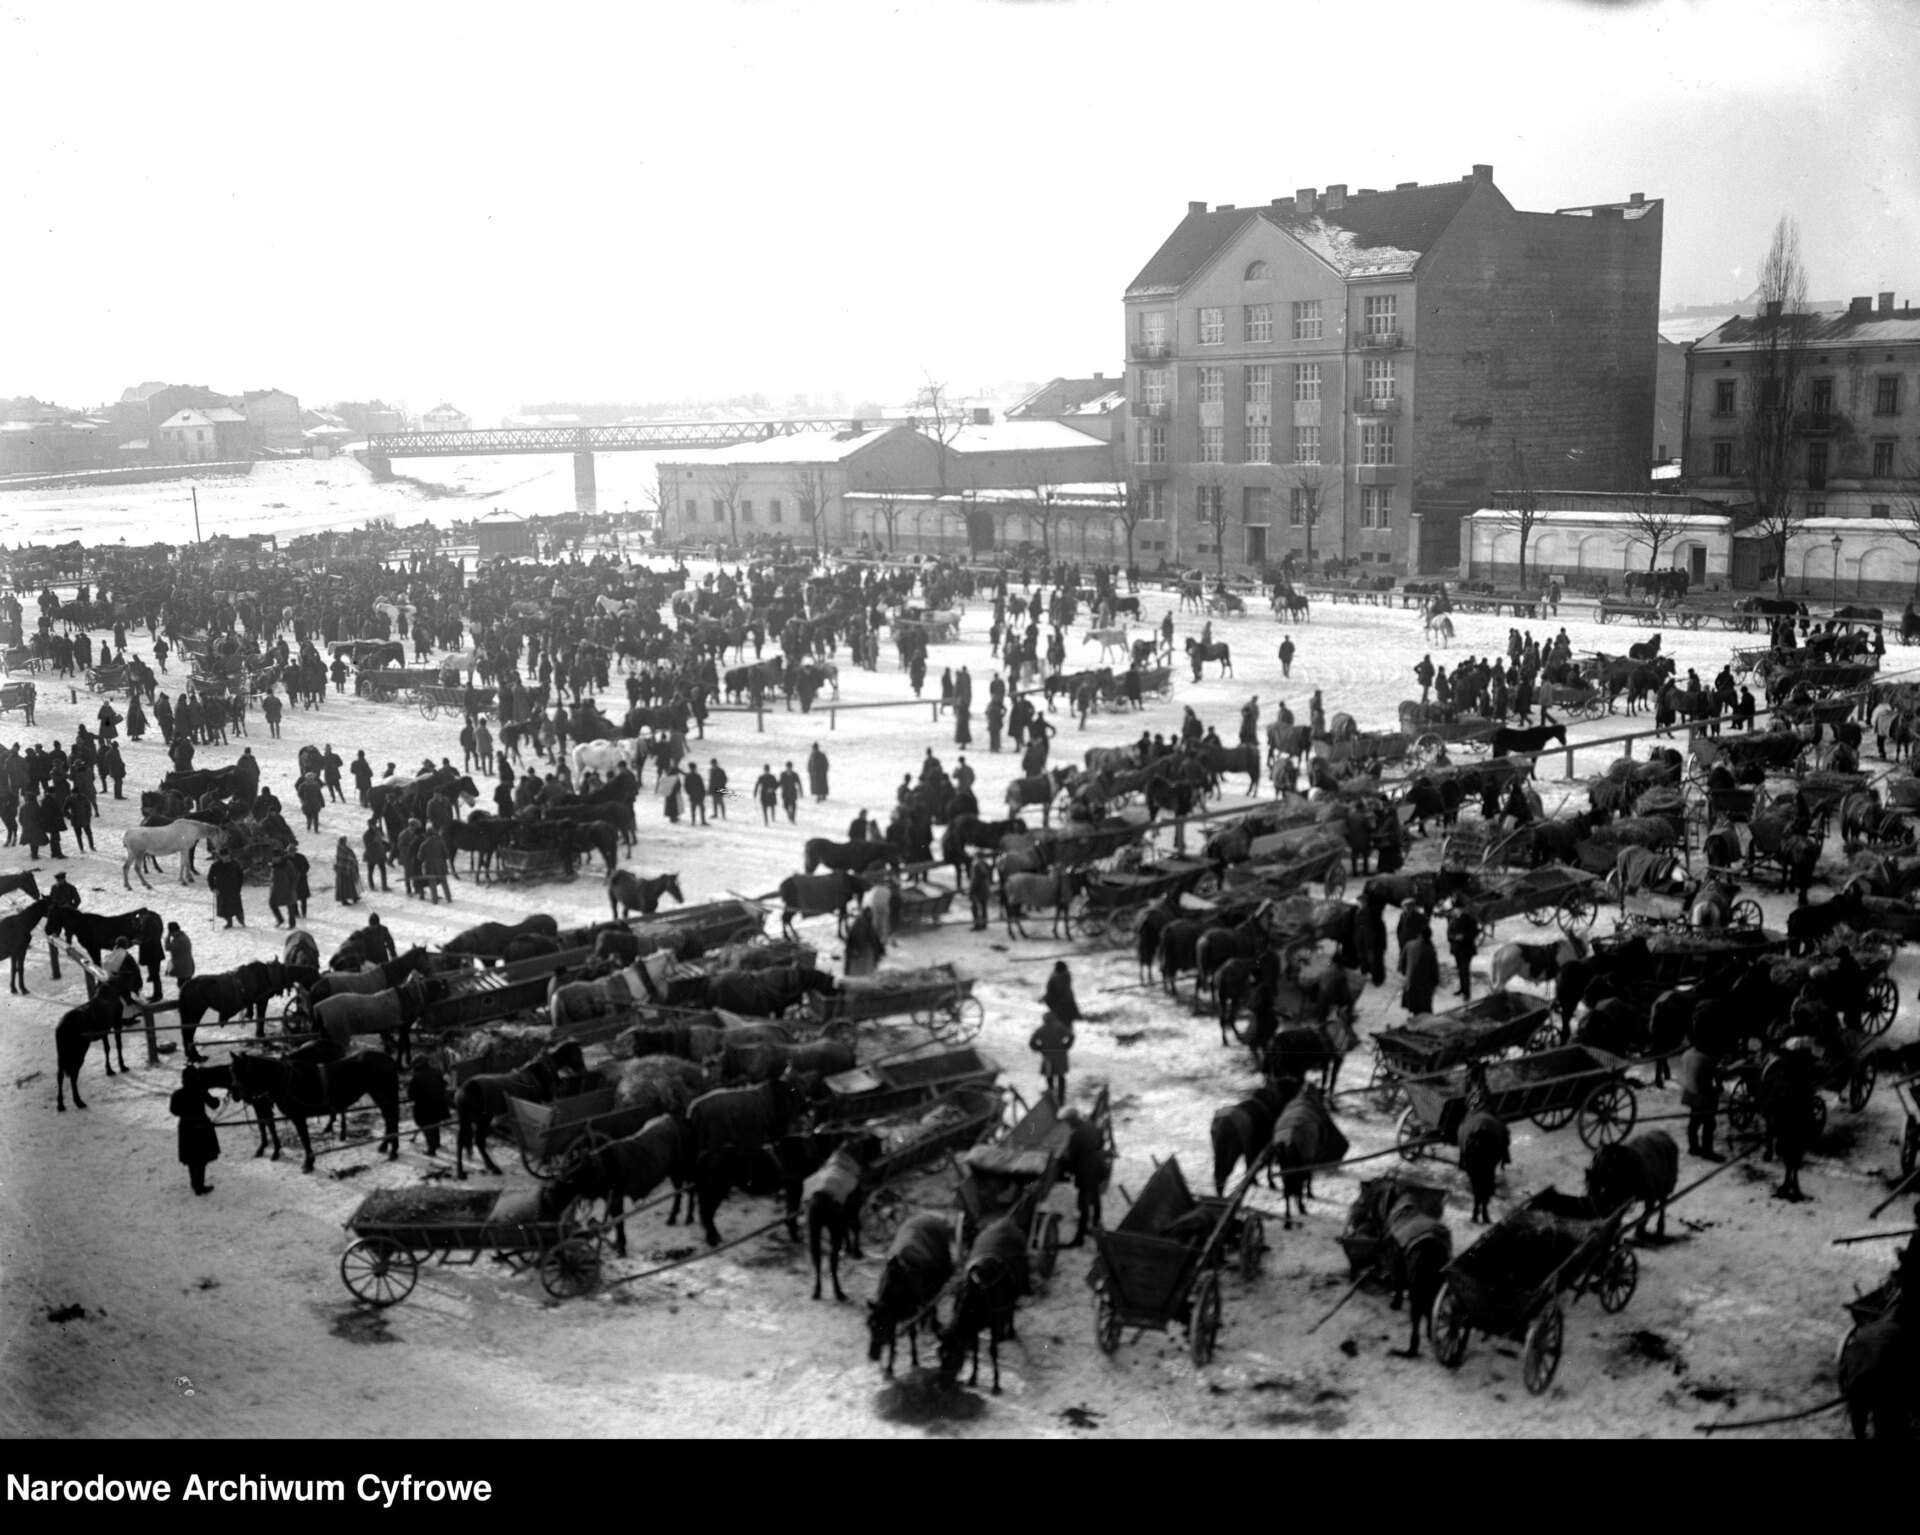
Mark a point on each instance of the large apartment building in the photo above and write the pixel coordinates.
(1347, 376)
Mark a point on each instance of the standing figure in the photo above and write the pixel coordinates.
(1051, 1042)
(199, 1141)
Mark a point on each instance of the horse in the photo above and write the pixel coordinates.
(1645, 650)
(24, 880)
(16, 937)
(737, 1135)
(1198, 655)
(919, 1264)
(1242, 1131)
(1040, 891)
(1533, 961)
(301, 1089)
(1109, 641)
(1295, 1053)
(628, 892)
(766, 993)
(483, 1099)
(489, 940)
(1877, 1376)
(1294, 605)
(149, 842)
(365, 983)
(834, 1193)
(390, 1014)
(814, 895)
(78, 1028)
(849, 857)
(627, 1169)
(606, 757)
(1439, 628)
(1304, 1137)
(1508, 740)
(991, 1284)
(1643, 1170)
(1486, 1146)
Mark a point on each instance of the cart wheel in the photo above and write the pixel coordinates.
(1253, 1247)
(590, 1141)
(542, 1164)
(1408, 1135)
(1450, 1329)
(1544, 1341)
(969, 1016)
(1607, 1115)
(428, 708)
(1540, 916)
(1206, 886)
(572, 1268)
(1095, 924)
(1619, 1279)
(1388, 1095)
(1106, 1320)
(1883, 1001)
(1049, 1256)
(1576, 914)
(1203, 1331)
(1556, 1119)
(880, 1217)
(1549, 1036)
(1860, 1085)
(1910, 1147)
(1336, 881)
(379, 1271)
(1743, 1114)
(296, 1017)
(1120, 930)
(1745, 913)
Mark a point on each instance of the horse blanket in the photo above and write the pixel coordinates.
(837, 1178)
(1308, 1129)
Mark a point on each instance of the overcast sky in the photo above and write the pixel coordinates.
(498, 203)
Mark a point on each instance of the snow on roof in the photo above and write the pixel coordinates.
(188, 417)
(799, 448)
(220, 413)
(1839, 328)
(1019, 436)
(1604, 518)
(1090, 493)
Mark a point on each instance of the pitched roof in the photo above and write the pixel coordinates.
(1387, 229)
(444, 409)
(1021, 437)
(1836, 328)
(1062, 396)
(798, 448)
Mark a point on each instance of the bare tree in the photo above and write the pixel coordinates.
(1770, 433)
(1520, 506)
(1654, 521)
(811, 492)
(659, 497)
(729, 480)
(1047, 513)
(1211, 492)
(1132, 511)
(942, 422)
(1905, 514)
(887, 509)
(1309, 485)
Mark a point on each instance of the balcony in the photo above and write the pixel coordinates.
(1376, 474)
(1149, 351)
(1149, 410)
(1385, 340)
(1365, 405)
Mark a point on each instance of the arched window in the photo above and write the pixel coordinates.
(1256, 271)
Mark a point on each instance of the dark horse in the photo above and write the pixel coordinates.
(77, 1029)
(21, 881)
(303, 1089)
(766, 993)
(740, 1137)
(849, 857)
(628, 890)
(1510, 741)
(483, 1099)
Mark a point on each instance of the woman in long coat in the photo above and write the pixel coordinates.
(225, 879)
(1422, 971)
(136, 720)
(817, 772)
(1059, 998)
(346, 874)
(199, 1141)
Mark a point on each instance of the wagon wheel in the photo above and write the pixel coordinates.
(1607, 1115)
(1860, 1085)
(1336, 881)
(543, 1164)
(1388, 1095)
(1743, 1113)
(1122, 929)
(880, 1217)
(296, 1017)
(1618, 1279)
(1576, 913)
(1548, 1036)
(1450, 1329)
(1539, 916)
(1746, 913)
(963, 1021)
(1095, 924)
(1253, 1247)
(1106, 1319)
(1557, 1118)
(1544, 1341)
(379, 1271)
(1883, 1001)
(1408, 1135)
(572, 1268)
(1048, 1257)
(1203, 1331)
(428, 708)
(589, 1142)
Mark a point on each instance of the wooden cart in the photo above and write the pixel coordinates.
(1115, 897)
(1500, 1022)
(456, 700)
(937, 997)
(1552, 1088)
(886, 1086)
(1321, 856)
(397, 1230)
(554, 1137)
(1026, 1163)
(1555, 894)
(923, 905)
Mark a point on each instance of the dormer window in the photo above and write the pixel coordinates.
(1256, 271)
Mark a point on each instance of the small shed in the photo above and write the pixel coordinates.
(502, 535)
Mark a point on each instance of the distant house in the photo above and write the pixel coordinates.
(502, 535)
(203, 436)
(1094, 405)
(273, 418)
(446, 418)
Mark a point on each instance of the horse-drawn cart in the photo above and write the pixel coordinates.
(1551, 1088)
(1577, 701)
(1511, 1283)
(911, 1136)
(1500, 1022)
(923, 905)
(1026, 1164)
(455, 699)
(553, 1137)
(385, 684)
(886, 1086)
(937, 997)
(1433, 731)
(18, 695)
(1155, 682)
(1301, 859)
(397, 1230)
(1554, 894)
(108, 679)
(1115, 898)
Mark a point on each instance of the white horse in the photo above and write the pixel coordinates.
(1440, 627)
(880, 901)
(1109, 641)
(607, 757)
(145, 843)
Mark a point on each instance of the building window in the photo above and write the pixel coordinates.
(1259, 322)
(1154, 502)
(1886, 395)
(692, 509)
(1380, 378)
(1259, 381)
(1376, 507)
(1382, 314)
(1153, 329)
(1153, 386)
(1153, 445)
(1254, 502)
(1820, 398)
(1213, 445)
(1209, 501)
(1880, 509)
(201, 435)
(1376, 442)
(1883, 459)
(1306, 319)
(1306, 383)
(1816, 466)
(1816, 509)
(1259, 441)
(746, 511)
(773, 510)
(1296, 508)
(1306, 444)
(1213, 327)
(1213, 385)
(1725, 396)
(1723, 458)
(1256, 271)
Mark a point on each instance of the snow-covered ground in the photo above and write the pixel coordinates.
(226, 1315)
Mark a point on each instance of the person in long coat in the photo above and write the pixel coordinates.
(346, 873)
(432, 853)
(1059, 997)
(284, 890)
(225, 878)
(427, 1093)
(864, 947)
(1052, 1041)
(1422, 970)
(1370, 938)
(199, 1141)
(136, 720)
(817, 772)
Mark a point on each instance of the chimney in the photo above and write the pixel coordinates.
(1303, 200)
(1099, 378)
(1336, 196)
(1366, 192)
(1886, 303)
(1223, 208)
(1637, 200)
(1196, 207)
(1856, 307)
(982, 416)
(1483, 173)
(856, 427)
(1406, 186)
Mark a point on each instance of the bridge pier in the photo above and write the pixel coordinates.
(586, 496)
(380, 466)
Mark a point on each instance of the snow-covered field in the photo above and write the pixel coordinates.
(226, 1315)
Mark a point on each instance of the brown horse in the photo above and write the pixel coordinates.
(302, 1089)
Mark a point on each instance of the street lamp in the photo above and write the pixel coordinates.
(1836, 570)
